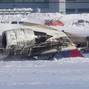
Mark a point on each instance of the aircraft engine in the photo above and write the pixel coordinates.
(18, 38)
(28, 42)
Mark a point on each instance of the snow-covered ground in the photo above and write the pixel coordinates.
(69, 73)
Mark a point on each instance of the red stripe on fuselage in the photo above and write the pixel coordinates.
(76, 53)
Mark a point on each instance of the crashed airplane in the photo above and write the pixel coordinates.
(34, 40)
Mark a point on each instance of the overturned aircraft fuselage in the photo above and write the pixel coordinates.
(36, 40)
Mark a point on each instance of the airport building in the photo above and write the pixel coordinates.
(63, 6)
(77, 6)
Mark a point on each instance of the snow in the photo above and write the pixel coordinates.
(73, 26)
(69, 21)
(24, 73)
(69, 73)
